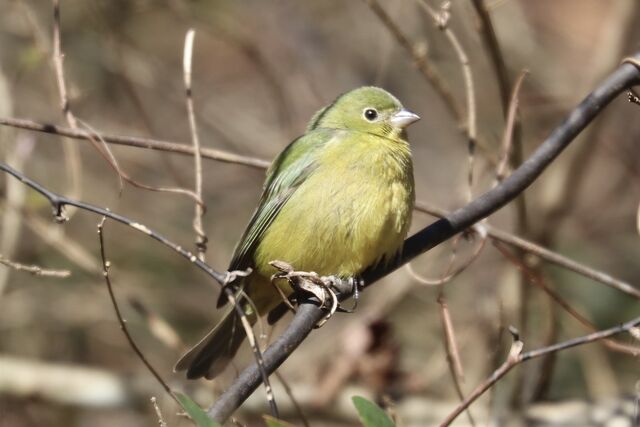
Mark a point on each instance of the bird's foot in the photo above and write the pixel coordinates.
(321, 287)
(344, 286)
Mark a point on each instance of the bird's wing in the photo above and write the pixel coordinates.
(286, 173)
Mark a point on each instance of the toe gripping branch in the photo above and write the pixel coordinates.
(327, 290)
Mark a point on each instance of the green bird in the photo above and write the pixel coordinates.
(337, 200)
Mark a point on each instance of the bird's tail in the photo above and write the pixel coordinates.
(212, 354)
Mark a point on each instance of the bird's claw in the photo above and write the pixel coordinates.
(321, 287)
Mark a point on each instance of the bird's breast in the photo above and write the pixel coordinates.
(354, 209)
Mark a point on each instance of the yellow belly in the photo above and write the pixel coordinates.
(345, 217)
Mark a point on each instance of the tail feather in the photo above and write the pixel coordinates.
(212, 354)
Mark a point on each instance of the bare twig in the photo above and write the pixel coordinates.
(441, 19)
(536, 279)
(161, 421)
(72, 153)
(34, 269)
(507, 137)
(132, 141)
(15, 195)
(544, 253)
(201, 237)
(516, 357)
(490, 41)
(123, 323)
(98, 141)
(451, 348)
(449, 275)
(292, 397)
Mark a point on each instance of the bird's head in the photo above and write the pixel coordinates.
(366, 109)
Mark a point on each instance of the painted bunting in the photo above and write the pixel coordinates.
(337, 200)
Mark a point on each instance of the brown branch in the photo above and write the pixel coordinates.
(71, 151)
(441, 19)
(516, 357)
(544, 253)
(451, 348)
(536, 279)
(507, 137)
(132, 141)
(34, 269)
(201, 237)
(123, 324)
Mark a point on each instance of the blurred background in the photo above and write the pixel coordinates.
(260, 71)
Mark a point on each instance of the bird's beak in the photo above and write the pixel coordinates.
(404, 118)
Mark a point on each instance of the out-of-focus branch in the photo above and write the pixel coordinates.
(71, 151)
(545, 254)
(621, 79)
(132, 141)
(123, 323)
(441, 19)
(490, 41)
(516, 357)
(201, 237)
(34, 269)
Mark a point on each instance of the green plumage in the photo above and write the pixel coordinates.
(336, 200)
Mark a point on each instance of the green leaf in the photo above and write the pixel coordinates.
(274, 422)
(196, 413)
(371, 414)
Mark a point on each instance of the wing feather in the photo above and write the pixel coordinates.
(286, 173)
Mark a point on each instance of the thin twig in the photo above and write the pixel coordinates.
(449, 275)
(34, 269)
(516, 357)
(441, 19)
(98, 141)
(536, 279)
(490, 41)
(71, 151)
(544, 253)
(507, 136)
(161, 421)
(451, 348)
(132, 141)
(292, 397)
(123, 323)
(201, 237)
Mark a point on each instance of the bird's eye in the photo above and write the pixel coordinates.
(370, 114)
